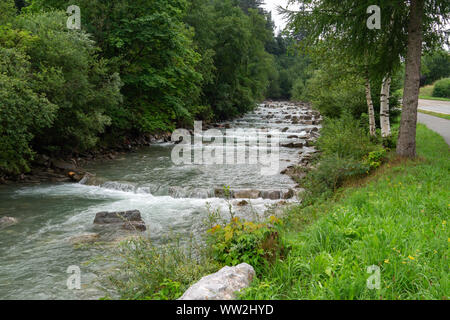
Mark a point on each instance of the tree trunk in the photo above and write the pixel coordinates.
(371, 112)
(406, 146)
(384, 107)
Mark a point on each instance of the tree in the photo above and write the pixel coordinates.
(406, 146)
(345, 20)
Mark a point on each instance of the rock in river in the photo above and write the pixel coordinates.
(221, 285)
(7, 221)
(84, 238)
(128, 220)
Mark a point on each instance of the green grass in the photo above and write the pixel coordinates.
(396, 219)
(426, 93)
(433, 98)
(436, 114)
(427, 90)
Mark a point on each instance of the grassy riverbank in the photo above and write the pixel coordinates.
(396, 219)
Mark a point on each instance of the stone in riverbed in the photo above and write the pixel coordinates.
(271, 194)
(247, 194)
(221, 285)
(7, 221)
(84, 238)
(63, 165)
(128, 220)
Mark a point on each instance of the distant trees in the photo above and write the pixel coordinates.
(435, 66)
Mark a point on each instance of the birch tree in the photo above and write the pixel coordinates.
(384, 107)
(346, 19)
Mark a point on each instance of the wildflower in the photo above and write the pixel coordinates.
(411, 258)
(386, 261)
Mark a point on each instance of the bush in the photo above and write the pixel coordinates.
(347, 151)
(245, 241)
(345, 138)
(442, 88)
(159, 272)
(330, 175)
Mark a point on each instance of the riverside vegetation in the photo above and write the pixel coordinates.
(378, 210)
(151, 66)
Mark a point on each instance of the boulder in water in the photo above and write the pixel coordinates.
(63, 165)
(7, 221)
(128, 220)
(247, 194)
(271, 194)
(221, 285)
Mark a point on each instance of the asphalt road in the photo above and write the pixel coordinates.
(435, 106)
(439, 125)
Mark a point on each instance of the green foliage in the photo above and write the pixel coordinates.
(232, 45)
(397, 221)
(158, 272)
(292, 69)
(442, 88)
(23, 110)
(345, 138)
(73, 78)
(347, 151)
(244, 241)
(375, 158)
(435, 66)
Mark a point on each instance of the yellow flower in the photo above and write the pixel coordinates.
(386, 261)
(215, 228)
(411, 257)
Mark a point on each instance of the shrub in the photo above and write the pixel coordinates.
(245, 241)
(330, 174)
(345, 138)
(159, 272)
(442, 88)
(375, 158)
(346, 151)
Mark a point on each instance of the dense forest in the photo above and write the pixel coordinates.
(142, 67)
(135, 67)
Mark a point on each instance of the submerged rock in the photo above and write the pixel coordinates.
(271, 194)
(84, 238)
(247, 194)
(221, 285)
(128, 220)
(7, 221)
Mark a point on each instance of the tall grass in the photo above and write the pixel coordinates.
(398, 221)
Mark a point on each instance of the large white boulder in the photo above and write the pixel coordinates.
(221, 285)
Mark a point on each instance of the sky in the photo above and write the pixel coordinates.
(271, 5)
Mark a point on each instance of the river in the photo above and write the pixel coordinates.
(36, 252)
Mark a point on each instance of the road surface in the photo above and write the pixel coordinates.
(435, 106)
(439, 125)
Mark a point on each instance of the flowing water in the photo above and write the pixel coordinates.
(36, 252)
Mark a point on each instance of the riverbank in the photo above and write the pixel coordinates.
(395, 219)
(70, 167)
